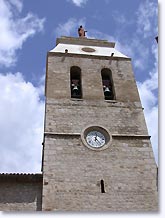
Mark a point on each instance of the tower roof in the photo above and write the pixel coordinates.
(85, 41)
(84, 46)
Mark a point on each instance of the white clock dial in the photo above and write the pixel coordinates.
(95, 139)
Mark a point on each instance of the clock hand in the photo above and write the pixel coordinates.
(96, 136)
(98, 141)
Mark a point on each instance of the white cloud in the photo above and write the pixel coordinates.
(123, 48)
(119, 18)
(78, 3)
(149, 101)
(95, 34)
(146, 22)
(21, 124)
(139, 54)
(70, 27)
(15, 30)
(147, 28)
(17, 3)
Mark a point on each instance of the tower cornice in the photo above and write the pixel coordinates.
(85, 41)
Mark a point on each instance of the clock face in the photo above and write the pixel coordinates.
(95, 139)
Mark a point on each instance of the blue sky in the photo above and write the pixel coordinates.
(29, 29)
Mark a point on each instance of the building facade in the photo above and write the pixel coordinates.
(97, 154)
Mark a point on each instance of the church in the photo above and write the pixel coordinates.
(97, 154)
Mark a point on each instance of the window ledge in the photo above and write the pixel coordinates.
(76, 99)
(111, 101)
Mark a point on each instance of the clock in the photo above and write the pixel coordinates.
(96, 137)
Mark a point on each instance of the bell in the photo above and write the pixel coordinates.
(107, 89)
(75, 88)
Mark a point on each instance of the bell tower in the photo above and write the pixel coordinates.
(97, 154)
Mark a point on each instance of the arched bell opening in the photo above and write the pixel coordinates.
(107, 83)
(75, 82)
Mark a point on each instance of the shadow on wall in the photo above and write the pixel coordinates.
(20, 192)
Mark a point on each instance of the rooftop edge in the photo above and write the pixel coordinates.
(85, 41)
(21, 177)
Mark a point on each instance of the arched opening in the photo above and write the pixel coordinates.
(107, 84)
(75, 82)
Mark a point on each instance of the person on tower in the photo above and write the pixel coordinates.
(81, 32)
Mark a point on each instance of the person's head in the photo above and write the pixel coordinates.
(81, 26)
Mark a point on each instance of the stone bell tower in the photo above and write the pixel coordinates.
(97, 154)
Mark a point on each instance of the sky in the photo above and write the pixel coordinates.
(29, 30)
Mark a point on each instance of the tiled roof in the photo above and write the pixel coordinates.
(21, 177)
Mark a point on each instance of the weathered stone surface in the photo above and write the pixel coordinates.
(72, 173)
(20, 192)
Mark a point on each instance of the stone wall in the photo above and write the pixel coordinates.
(70, 116)
(20, 192)
(58, 77)
(66, 115)
(73, 172)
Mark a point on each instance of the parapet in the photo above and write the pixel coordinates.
(84, 41)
